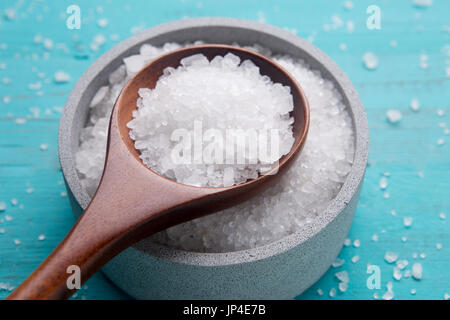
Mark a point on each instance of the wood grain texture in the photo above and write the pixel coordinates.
(403, 150)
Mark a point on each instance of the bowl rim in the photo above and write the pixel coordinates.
(307, 232)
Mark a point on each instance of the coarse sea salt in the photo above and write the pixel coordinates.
(300, 196)
(233, 96)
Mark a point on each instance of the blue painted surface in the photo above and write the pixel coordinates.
(419, 168)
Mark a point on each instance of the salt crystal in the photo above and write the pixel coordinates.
(41, 237)
(332, 292)
(17, 242)
(401, 264)
(413, 291)
(370, 61)
(338, 262)
(342, 276)
(2, 206)
(61, 77)
(389, 294)
(415, 104)
(348, 5)
(407, 221)
(357, 243)
(404, 239)
(383, 183)
(393, 116)
(397, 274)
(43, 147)
(374, 237)
(440, 141)
(422, 3)
(30, 190)
(14, 201)
(320, 292)
(347, 242)
(102, 22)
(422, 255)
(48, 44)
(343, 286)
(446, 296)
(417, 270)
(10, 14)
(355, 259)
(390, 257)
(440, 112)
(442, 216)
(439, 246)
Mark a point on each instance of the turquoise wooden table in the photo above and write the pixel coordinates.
(413, 51)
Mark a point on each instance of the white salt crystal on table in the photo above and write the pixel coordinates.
(2, 206)
(61, 77)
(390, 257)
(417, 271)
(370, 60)
(383, 183)
(389, 294)
(300, 196)
(393, 115)
(415, 104)
(422, 3)
(407, 221)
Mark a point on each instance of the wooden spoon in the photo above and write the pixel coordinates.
(132, 202)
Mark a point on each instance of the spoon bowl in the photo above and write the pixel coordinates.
(151, 202)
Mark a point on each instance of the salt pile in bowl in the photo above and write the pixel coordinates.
(229, 123)
(301, 195)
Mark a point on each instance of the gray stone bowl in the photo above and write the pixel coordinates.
(280, 270)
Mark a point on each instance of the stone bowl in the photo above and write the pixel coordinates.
(280, 270)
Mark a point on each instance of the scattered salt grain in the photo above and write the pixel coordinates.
(417, 271)
(30, 190)
(2, 206)
(439, 246)
(8, 218)
(422, 3)
(397, 273)
(14, 201)
(48, 44)
(440, 112)
(389, 294)
(320, 292)
(374, 237)
(402, 264)
(440, 141)
(404, 239)
(338, 262)
(355, 259)
(413, 291)
(357, 243)
(342, 276)
(41, 237)
(61, 77)
(390, 257)
(407, 221)
(442, 216)
(422, 255)
(414, 104)
(423, 61)
(383, 183)
(347, 242)
(43, 147)
(343, 286)
(332, 292)
(348, 5)
(17, 242)
(102, 22)
(393, 115)
(370, 60)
